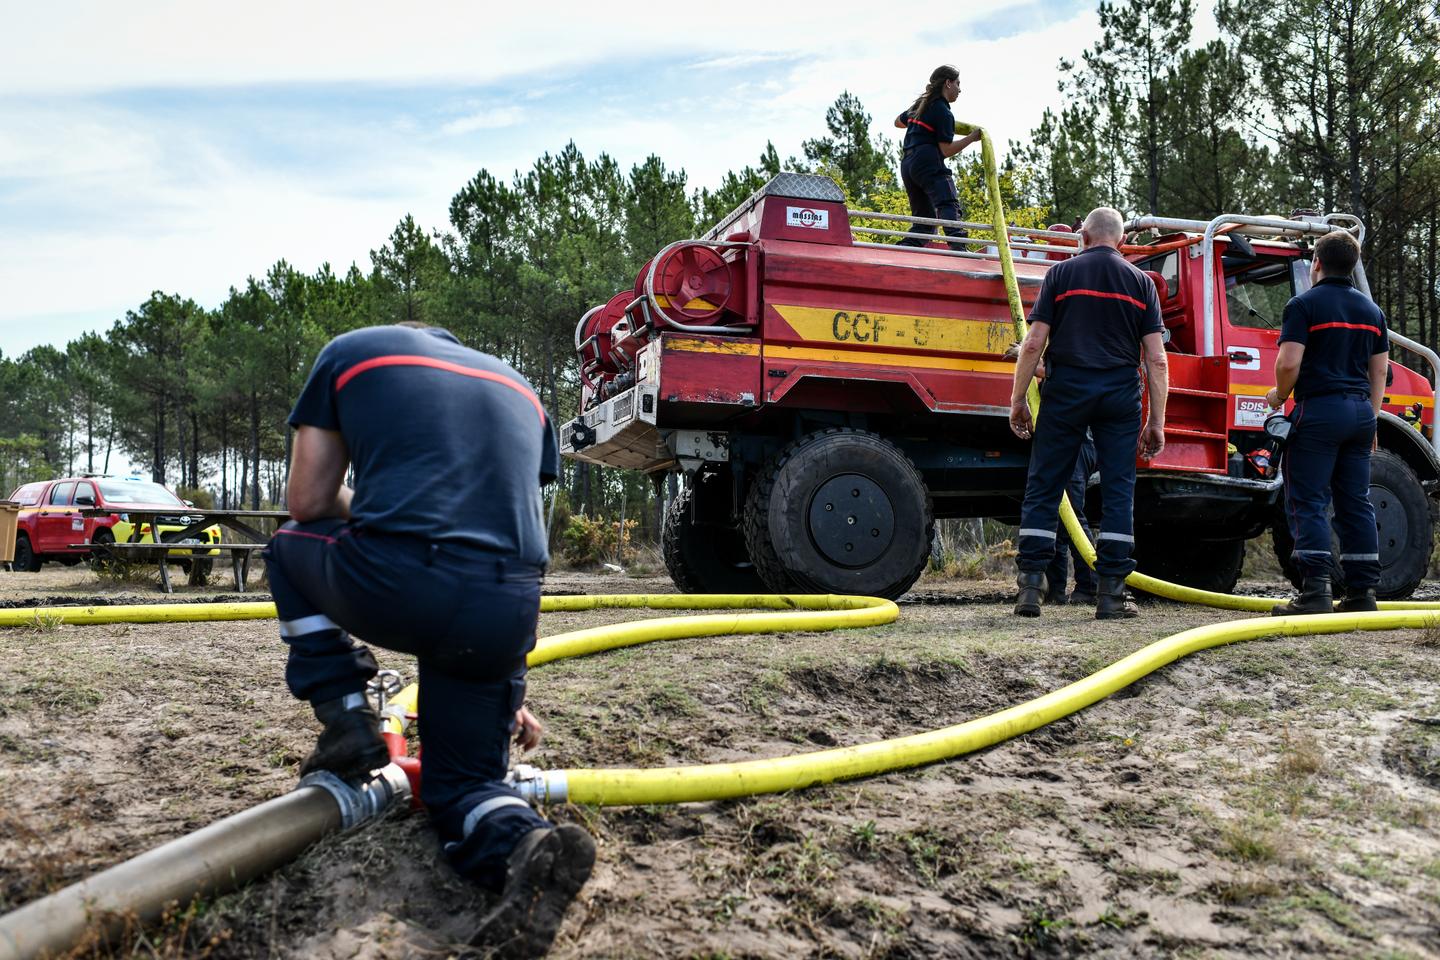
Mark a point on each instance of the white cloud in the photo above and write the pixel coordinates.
(493, 118)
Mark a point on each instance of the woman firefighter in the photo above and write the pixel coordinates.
(929, 140)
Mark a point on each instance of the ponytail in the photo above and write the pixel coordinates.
(938, 78)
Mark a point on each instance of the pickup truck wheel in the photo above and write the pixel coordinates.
(1204, 565)
(840, 511)
(705, 557)
(26, 559)
(1403, 520)
(101, 559)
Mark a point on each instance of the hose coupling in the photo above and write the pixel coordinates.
(383, 686)
(537, 786)
(366, 801)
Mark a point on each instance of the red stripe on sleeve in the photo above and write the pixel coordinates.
(1103, 294)
(922, 123)
(405, 360)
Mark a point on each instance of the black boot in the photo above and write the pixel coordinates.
(1314, 598)
(1111, 602)
(1358, 600)
(1056, 596)
(544, 872)
(350, 746)
(1032, 588)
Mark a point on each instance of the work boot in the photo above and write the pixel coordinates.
(1111, 603)
(542, 875)
(1082, 598)
(1314, 598)
(1032, 587)
(350, 746)
(1056, 597)
(1358, 600)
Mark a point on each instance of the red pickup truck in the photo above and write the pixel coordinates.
(53, 527)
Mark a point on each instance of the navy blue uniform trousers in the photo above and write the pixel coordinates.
(1058, 573)
(1328, 459)
(932, 194)
(1107, 402)
(468, 617)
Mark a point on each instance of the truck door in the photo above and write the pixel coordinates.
(1256, 291)
(52, 528)
(81, 526)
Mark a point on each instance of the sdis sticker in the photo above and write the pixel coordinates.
(1251, 411)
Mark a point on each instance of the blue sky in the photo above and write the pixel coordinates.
(184, 146)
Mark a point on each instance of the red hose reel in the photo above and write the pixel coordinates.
(692, 282)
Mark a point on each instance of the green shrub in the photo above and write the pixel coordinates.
(592, 540)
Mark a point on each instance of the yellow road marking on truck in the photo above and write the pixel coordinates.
(688, 345)
(940, 334)
(877, 358)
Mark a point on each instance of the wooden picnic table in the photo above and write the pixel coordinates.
(251, 539)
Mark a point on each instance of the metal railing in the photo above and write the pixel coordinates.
(1022, 237)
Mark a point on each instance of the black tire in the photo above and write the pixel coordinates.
(804, 512)
(26, 559)
(705, 557)
(102, 559)
(1404, 522)
(1204, 565)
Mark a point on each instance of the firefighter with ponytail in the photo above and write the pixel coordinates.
(929, 141)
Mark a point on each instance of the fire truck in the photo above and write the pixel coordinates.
(825, 395)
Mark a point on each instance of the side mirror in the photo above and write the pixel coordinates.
(84, 501)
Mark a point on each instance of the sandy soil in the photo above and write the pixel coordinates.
(1275, 798)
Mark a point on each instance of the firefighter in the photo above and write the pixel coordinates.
(1334, 355)
(438, 551)
(929, 140)
(1098, 313)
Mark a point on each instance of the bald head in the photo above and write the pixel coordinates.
(1104, 227)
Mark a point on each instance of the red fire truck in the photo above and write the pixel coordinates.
(825, 395)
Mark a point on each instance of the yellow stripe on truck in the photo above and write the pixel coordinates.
(866, 328)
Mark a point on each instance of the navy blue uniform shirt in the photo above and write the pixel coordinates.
(1341, 329)
(1099, 305)
(936, 125)
(447, 443)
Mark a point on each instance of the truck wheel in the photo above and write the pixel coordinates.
(705, 557)
(840, 511)
(26, 559)
(100, 558)
(1402, 518)
(1204, 565)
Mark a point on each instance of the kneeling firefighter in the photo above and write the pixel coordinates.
(438, 551)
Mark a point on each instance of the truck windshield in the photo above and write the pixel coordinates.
(1255, 296)
(117, 492)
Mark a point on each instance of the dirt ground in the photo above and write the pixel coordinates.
(1275, 798)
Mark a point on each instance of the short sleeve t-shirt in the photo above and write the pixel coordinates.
(1341, 330)
(934, 126)
(447, 443)
(1099, 307)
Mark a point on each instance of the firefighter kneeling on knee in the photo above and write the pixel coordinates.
(1334, 354)
(1098, 313)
